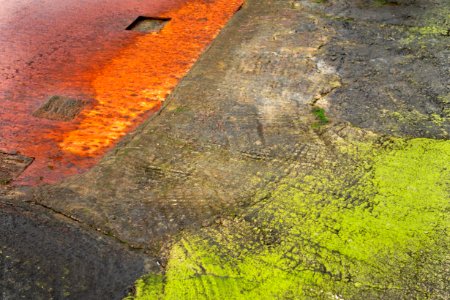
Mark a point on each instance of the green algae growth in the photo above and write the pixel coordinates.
(374, 225)
(321, 117)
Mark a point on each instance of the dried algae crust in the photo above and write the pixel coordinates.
(376, 228)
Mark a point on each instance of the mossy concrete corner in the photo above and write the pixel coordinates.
(377, 229)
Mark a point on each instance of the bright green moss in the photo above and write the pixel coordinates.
(437, 119)
(446, 101)
(434, 25)
(431, 30)
(321, 117)
(446, 112)
(373, 226)
(148, 287)
(414, 117)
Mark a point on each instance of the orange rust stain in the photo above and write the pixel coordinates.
(128, 79)
(144, 74)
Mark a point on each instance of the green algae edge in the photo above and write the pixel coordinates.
(375, 229)
(321, 117)
(142, 288)
(434, 25)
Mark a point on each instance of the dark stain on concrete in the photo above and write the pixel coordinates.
(46, 256)
(393, 63)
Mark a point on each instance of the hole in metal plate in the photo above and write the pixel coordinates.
(148, 24)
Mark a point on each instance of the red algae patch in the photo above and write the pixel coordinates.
(81, 50)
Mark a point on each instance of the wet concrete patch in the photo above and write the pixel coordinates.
(43, 256)
(12, 165)
(60, 108)
(392, 60)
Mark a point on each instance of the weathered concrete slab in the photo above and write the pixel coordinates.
(242, 119)
(242, 189)
(214, 145)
